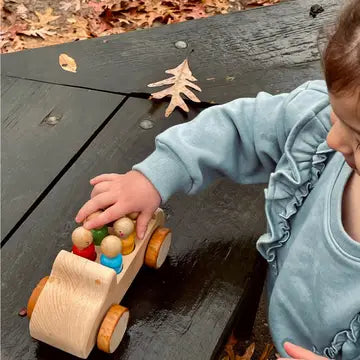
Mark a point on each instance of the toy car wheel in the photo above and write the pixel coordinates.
(158, 248)
(35, 295)
(112, 328)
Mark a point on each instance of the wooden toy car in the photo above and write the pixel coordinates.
(77, 305)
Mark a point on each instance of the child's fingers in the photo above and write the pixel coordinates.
(103, 177)
(100, 188)
(110, 214)
(101, 201)
(142, 222)
(298, 352)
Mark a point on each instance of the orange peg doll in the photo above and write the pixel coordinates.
(124, 228)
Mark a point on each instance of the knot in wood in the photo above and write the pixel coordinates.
(315, 10)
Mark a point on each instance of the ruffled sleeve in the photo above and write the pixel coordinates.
(304, 159)
(346, 343)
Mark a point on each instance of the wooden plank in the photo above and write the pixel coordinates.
(180, 311)
(43, 127)
(272, 48)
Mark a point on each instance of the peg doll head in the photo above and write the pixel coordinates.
(81, 238)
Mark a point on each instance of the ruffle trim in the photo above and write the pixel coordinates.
(351, 335)
(304, 159)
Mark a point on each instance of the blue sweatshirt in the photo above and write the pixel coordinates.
(313, 280)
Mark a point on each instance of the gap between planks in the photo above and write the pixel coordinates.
(138, 95)
(62, 172)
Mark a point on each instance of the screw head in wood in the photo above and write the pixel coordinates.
(146, 124)
(181, 44)
(51, 120)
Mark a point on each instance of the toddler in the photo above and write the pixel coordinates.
(306, 145)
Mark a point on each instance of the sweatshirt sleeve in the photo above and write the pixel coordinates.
(243, 140)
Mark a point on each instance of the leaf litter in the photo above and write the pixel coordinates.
(29, 24)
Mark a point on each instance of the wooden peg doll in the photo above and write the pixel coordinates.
(133, 216)
(124, 228)
(100, 232)
(111, 253)
(83, 243)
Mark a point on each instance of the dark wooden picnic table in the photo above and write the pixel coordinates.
(59, 129)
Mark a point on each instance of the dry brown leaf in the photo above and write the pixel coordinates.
(267, 352)
(181, 79)
(97, 6)
(65, 5)
(261, 2)
(43, 32)
(79, 28)
(22, 312)
(229, 347)
(45, 18)
(41, 28)
(67, 63)
(22, 11)
(248, 353)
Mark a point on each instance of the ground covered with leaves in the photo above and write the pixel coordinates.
(29, 24)
(258, 347)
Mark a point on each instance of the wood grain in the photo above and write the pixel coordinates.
(266, 49)
(43, 126)
(184, 309)
(73, 303)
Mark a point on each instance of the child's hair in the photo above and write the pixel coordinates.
(341, 57)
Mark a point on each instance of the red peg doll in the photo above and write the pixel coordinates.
(83, 243)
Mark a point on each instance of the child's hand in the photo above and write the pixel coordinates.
(120, 195)
(297, 352)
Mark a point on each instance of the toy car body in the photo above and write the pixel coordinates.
(76, 306)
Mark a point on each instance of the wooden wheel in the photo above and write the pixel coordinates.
(112, 328)
(35, 295)
(158, 248)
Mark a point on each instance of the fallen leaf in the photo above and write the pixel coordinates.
(38, 32)
(229, 347)
(12, 31)
(181, 79)
(22, 312)
(42, 27)
(4, 44)
(97, 6)
(261, 2)
(248, 353)
(22, 11)
(267, 352)
(67, 63)
(65, 5)
(78, 5)
(45, 18)
(79, 27)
